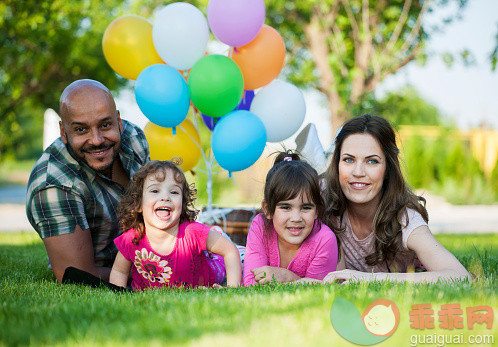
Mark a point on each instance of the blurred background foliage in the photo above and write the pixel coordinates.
(446, 166)
(45, 45)
(442, 163)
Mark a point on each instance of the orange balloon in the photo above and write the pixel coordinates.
(262, 59)
(164, 145)
(128, 46)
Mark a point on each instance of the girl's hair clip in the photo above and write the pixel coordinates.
(177, 161)
(288, 159)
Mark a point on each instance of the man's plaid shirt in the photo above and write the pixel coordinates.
(64, 192)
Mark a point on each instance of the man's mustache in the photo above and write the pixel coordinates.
(102, 147)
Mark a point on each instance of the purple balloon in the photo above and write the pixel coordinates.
(236, 22)
(245, 103)
(210, 121)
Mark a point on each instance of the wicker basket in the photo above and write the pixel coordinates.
(235, 222)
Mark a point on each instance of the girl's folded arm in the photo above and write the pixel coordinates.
(255, 255)
(120, 271)
(219, 244)
(267, 274)
(325, 259)
(256, 263)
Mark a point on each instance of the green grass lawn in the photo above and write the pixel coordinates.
(35, 310)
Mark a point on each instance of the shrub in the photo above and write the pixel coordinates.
(446, 166)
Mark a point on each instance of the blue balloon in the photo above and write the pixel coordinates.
(162, 95)
(238, 140)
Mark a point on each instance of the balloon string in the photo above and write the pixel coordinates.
(193, 140)
(208, 163)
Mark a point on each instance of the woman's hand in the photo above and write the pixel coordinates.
(267, 274)
(346, 276)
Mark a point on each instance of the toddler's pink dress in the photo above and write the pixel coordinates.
(186, 265)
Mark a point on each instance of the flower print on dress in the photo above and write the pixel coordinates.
(151, 267)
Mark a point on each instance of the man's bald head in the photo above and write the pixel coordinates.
(80, 93)
(90, 124)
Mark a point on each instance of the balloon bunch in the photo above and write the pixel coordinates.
(168, 60)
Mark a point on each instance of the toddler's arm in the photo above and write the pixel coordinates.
(120, 271)
(219, 244)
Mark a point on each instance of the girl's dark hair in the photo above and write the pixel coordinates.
(131, 202)
(396, 195)
(289, 177)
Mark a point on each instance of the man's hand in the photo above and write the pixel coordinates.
(74, 249)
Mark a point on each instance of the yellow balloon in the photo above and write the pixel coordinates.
(128, 46)
(164, 145)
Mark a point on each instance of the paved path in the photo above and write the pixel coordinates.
(444, 218)
(13, 218)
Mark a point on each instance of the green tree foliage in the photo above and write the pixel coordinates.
(493, 56)
(406, 107)
(345, 48)
(45, 45)
(20, 133)
(494, 178)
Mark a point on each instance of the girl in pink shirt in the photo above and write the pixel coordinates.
(163, 246)
(288, 242)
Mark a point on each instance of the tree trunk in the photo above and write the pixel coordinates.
(328, 85)
(362, 57)
(338, 115)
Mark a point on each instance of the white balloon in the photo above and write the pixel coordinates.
(281, 107)
(180, 34)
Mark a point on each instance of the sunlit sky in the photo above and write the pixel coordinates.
(467, 95)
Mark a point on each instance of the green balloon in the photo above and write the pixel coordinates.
(216, 85)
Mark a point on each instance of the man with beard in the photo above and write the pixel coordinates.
(76, 184)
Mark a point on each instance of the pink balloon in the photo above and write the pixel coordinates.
(235, 22)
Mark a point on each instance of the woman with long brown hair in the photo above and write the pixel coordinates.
(380, 223)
